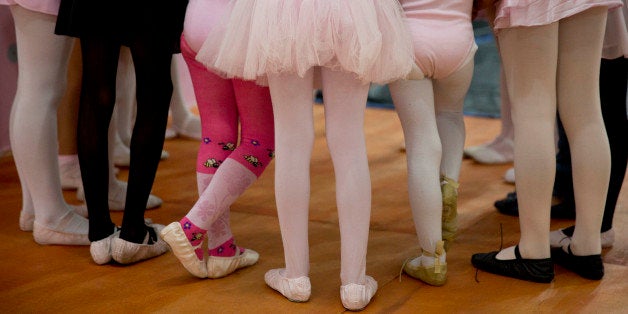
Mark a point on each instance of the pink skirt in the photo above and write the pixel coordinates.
(515, 13)
(42, 6)
(365, 37)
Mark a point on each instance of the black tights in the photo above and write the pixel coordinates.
(151, 60)
(613, 79)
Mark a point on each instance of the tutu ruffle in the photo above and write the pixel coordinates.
(365, 37)
(514, 13)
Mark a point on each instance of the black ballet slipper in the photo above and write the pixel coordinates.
(535, 270)
(588, 266)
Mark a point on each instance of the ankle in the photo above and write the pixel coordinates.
(194, 234)
(227, 249)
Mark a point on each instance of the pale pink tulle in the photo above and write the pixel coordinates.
(514, 13)
(365, 37)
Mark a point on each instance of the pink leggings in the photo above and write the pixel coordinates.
(221, 103)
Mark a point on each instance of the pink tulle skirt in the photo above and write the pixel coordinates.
(514, 13)
(365, 37)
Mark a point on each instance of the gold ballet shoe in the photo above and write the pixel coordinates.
(449, 189)
(435, 275)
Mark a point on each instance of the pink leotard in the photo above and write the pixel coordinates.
(442, 34)
(42, 6)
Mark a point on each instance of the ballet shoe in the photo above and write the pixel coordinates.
(509, 176)
(101, 250)
(449, 190)
(562, 237)
(117, 197)
(26, 220)
(294, 289)
(58, 235)
(486, 154)
(191, 128)
(28, 217)
(220, 266)
(356, 297)
(70, 176)
(535, 270)
(559, 210)
(125, 252)
(181, 247)
(170, 134)
(436, 274)
(587, 266)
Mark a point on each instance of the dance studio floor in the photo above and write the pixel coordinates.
(58, 279)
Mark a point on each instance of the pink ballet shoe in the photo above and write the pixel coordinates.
(487, 154)
(174, 235)
(294, 289)
(70, 176)
(356, 297)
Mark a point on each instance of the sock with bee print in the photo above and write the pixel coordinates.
(194, 234)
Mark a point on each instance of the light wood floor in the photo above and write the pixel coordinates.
(35, 278)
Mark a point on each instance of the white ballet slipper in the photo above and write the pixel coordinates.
(560, 239)
(101, 249)
(122, 155)
(125, 252)
(509, 176)
(356, 297)
(70, 176)
(27, 217)
(294, 289)
(174, 235)
(117, 197)
(63, 234)
(170, 134)
(219, 266)
(486, 154)
(190, 128)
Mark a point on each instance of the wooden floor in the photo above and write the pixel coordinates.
(60, 279)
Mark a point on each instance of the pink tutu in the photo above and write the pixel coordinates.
(616, 37)
(514, 13)
(43, 6)
(365, 37)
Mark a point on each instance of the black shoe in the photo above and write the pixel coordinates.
(536, 270)
(509, 206)
(588, 266)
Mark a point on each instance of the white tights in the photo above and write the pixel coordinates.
(431, 116)
(546, 67)
(345, 99)
(42, 61)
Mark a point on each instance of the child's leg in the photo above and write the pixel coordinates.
(100, 60)
(529, 56)
(449, 96)
(294, 139)
(414, 103)
(613, 80)
(67, 117)
(345, 101)
(42, 60)
(151, 61)
(580, 46)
